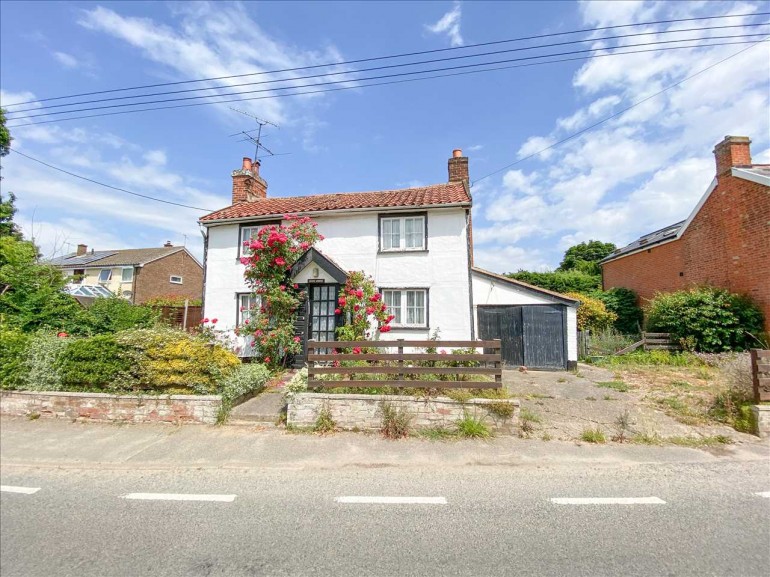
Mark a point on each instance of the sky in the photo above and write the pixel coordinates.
(638, 172)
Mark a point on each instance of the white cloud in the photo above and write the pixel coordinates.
(66, 60)
(449, 24)
(475, 148)
(509, 259)
(536, 144)
(215, 40)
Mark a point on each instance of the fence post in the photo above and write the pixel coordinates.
(184, 319)
(498, 363)
(400, 358)
(310, 363)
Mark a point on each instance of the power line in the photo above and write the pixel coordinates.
(385, 83)
(402, 55)
(385, 67)
(379, 77)
(620, 112)
(109, 185)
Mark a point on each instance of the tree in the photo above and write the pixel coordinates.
(560, 281)
(7, 210)
(585, 256)
(592, 315)
(5, 135)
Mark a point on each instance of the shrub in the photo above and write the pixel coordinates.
(245, 379)
(562, 282)
(592, 315)
(324, 423)
(622, 302)
(297, 384)
(712, 319)
(396, 421)
(110, 315)
(42, 362)
(95, 362)
(169, 358)
(13, 349)
(593, 436)
(472, 427)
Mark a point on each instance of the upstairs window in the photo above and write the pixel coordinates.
(105, 275)
(402, 233)
(250, 230)
(127, 275)
(174, 279)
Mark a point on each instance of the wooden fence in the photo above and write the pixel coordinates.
(760, 374)
(392, 363)
(186, 318)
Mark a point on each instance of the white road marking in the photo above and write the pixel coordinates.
(765, 494)
(608, 501)
(394, 500)
(179, 497)
(25, 490)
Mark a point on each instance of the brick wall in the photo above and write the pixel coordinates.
(726, 245)
(364, 411)
(106, 407)
(152, 280)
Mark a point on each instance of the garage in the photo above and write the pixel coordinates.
(537, 328)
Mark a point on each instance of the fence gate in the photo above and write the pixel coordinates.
(531, 335)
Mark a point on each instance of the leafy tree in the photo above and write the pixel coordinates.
(5, 135)
(706, 318)
(7, 210)
(560, 281)
(109, 315)
(585, 256)
(592, 315)
(622, 302)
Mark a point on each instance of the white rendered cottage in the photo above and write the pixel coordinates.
(416, 244)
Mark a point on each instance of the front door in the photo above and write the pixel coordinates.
(322, 322)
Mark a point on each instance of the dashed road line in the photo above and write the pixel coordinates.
(608, 501)
(765, 494)
(392, 500)
(24, 490)
(178, 497)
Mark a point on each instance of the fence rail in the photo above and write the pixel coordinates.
(321, 352)
(760, 374)
(180, 318)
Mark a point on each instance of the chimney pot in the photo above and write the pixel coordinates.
(246, 163)
(248, 186)
(732, 151)
(457, 153)
(168, 244)
(82, 249)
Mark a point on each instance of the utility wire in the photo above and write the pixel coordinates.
(620, 112)
(402, 55)
(379, 77)
(109, 185)
(384, 83)
(385, 67)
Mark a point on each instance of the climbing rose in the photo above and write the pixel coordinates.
(296, 339)
(342, 301)
(360, 293)
(385, 329)
(204, 321)
(369, 310)
(337, 311)
(356, 308)
(280, 261)
(214, 321)
(356, 350)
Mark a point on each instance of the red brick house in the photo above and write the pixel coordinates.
(725, 242)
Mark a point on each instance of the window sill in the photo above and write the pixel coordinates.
(408, 328)
(403, 251)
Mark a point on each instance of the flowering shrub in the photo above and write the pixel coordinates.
(271, 253)
(592, 315)
(245, 379)
(364, 312)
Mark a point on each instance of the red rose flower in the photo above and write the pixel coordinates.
(337, 311)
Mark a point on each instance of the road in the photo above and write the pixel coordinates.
(693, 519)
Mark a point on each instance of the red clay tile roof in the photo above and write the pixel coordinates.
(446, 193)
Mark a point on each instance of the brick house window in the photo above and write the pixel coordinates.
(408, 306)
(173, 279)
(403, 233)
(127, 275)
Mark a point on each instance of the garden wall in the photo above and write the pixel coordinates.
(106, 407)
(364, 411)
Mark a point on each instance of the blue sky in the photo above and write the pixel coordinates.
(638, 172)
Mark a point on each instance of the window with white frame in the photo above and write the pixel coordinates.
(174, 279)
(402, 233)
(127, 275)
(250, 230)
(105, 275)
(408, 306)
(247, 302)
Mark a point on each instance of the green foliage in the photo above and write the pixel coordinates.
(711, 319)
(5, 135)
(609, 341)
(7, 210)
(110, 315)
(169, 358)
(585, 256)
(622, 302)
(618, 386)
(592, 315)
(269, 255)
(360, 304)
(652, 358)
(472, 427)
(43, 362)
(396, 420)
(297, 384)
(593, 436)
(33, 299)
(560, 281)
(95, 363)
(172, 301)
(324, 422)
(13, 350)
(248, 378)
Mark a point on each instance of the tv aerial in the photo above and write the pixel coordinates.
(256, 140)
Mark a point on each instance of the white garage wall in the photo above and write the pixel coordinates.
(492, 291)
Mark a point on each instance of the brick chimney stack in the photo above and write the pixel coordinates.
(167, 244)
(248, 186)
(458, 166)
(732, 151)
(82, 249)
